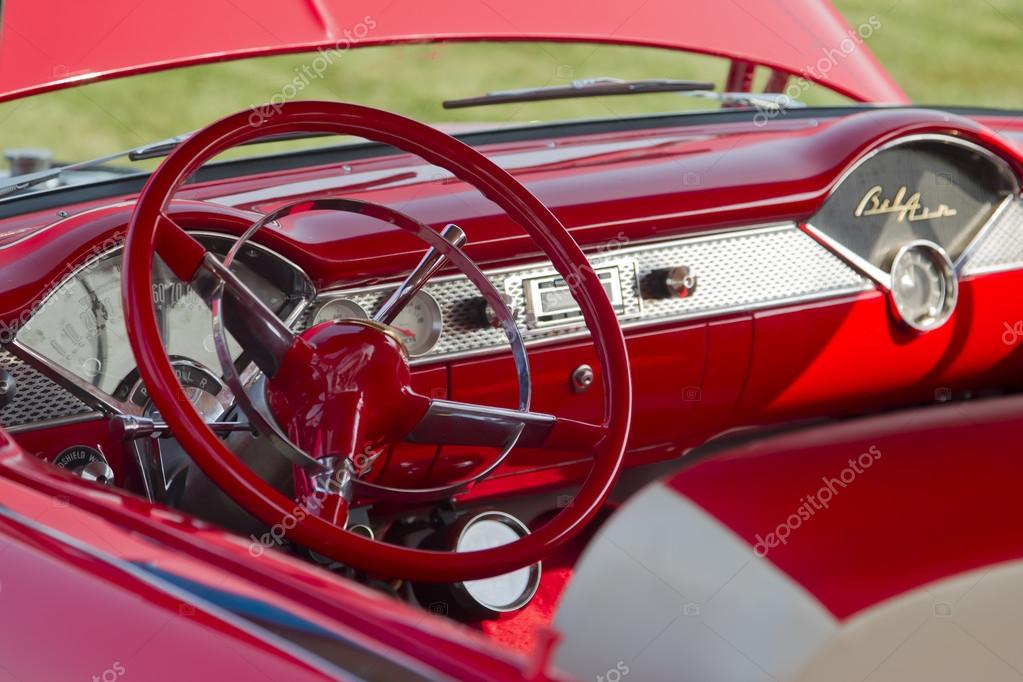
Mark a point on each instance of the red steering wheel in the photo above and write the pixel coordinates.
(339, 386)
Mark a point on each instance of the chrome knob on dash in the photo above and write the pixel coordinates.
(680, 282)
(8, 388)
(582, 378)
(490, 315)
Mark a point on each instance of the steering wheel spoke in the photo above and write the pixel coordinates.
(448, 422)
(180, 251)
(258, 330)
(427, 267)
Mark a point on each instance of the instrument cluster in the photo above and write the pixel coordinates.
(418, 324)
(910, 216)
(79, 328)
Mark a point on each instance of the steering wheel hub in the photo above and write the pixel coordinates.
(344, 389)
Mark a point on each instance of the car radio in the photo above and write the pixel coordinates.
(549, 299)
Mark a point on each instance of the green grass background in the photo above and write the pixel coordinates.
(965, 53)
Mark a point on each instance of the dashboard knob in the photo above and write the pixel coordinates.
(8, 388)
(86, 462)
(680, 282)
(489, 317)
(97, 472)
(582, 378)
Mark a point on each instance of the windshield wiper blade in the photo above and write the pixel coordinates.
(152, 150)
(589, 87)
(599, 87)
(20, 182)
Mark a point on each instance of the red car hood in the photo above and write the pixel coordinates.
(49, 45)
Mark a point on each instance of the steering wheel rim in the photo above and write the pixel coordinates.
(151, 231)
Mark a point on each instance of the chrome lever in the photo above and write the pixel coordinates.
(263, 335)
(431, 262)
(131, 427)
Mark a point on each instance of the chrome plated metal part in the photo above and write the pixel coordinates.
(431, 262)
(779, 265)
(263, 335)
(266, 425)
(582, 378)
(924, 286)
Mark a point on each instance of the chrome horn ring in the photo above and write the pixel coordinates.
(267, 426)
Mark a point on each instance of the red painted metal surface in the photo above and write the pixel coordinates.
(643, 196)
(666, 365)
(407, 464)
(261, 499)
(49, 584)
(788, 377)
(47, 46)
(817, 356)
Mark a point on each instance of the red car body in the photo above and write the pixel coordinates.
(95, 584)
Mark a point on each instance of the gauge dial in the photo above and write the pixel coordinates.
(339, 309)
(205, 391)
(81, 327)
(924, 287)
(419, 324)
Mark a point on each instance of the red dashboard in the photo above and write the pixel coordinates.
(779, 321)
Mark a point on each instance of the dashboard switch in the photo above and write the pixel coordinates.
(680, 282)
(485, 315)
(8, 388)
(582, 378)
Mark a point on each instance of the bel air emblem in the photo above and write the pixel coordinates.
(874, 203)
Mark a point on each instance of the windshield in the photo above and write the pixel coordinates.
(967, 68)
(413, 80)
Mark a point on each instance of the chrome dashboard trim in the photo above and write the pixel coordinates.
(89, 394)
(854, 260)
(53, 423)
(983, 234)
(1000, 248)
(947, 278)
(880, 276)
(925, 137)
(741, 270)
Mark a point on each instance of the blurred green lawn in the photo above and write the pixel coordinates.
(939, 52)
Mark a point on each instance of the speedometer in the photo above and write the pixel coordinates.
(419, 324)
(80, 325)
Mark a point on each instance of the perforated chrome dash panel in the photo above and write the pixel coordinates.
(38, 398)
(736, 270)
